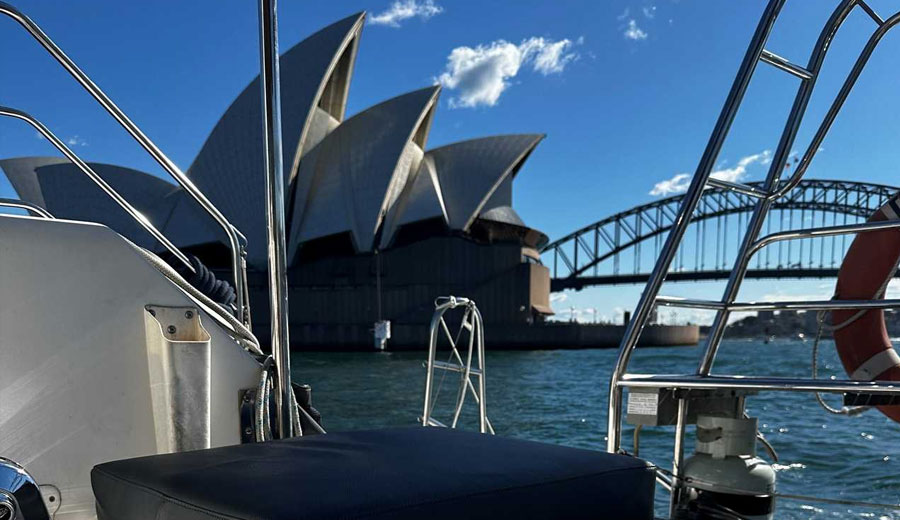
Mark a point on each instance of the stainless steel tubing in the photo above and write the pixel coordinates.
(678, 458)
(275, 227)
(98, 180)
(476, 339)
(838, 103)
(871, 12)
(21, 204)
(57, 53)
(788, 135)
(466, 370)
(785, 65)
(779, 384)
(823, 232)
(736, 187)
(692, 197)
(483, 423)
(436, 321)
(819, 305)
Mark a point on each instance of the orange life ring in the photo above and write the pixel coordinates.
(863, 344)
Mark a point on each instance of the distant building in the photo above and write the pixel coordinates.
(378, 224)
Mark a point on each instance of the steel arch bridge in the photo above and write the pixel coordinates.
(614, 250)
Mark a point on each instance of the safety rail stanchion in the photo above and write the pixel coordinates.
(692, 197)
(772, 189)
(27, 206)
(136, 215)
(148, 145)
(473, 324)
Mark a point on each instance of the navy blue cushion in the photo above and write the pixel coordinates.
(420, 473)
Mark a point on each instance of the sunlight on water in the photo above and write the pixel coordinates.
(561, 397)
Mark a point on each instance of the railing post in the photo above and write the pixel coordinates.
(275, 227)
(149, 146)
(679, 226)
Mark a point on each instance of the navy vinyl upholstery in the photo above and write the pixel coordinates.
(421, 473)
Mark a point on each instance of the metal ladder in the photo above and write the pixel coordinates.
(473, 326)
(772, 189)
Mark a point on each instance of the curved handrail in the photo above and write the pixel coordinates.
(691, 199)
(732, 287)
(27, 206)
(98, 180)
(836, 105)
(238, 271)
(774, 188)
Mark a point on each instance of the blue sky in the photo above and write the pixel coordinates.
(626, 91)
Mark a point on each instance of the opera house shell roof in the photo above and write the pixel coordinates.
(364, 177)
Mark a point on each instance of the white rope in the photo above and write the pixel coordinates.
(820, 319)
(844, 410)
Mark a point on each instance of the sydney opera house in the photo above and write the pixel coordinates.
(379, 224)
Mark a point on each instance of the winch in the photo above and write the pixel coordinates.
(724, 476)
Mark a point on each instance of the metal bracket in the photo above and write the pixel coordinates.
(20, 496)
(659, 406)
(247, 406)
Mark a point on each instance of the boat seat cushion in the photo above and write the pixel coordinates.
(420, 473)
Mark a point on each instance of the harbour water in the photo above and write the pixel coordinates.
(560, 396)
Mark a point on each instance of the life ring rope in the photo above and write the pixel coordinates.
(880, 361)
(849, 411)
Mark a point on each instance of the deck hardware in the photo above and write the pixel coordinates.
(471, 323)
(20, 496)
(247, 407)
(7, 509)
(179, 360)
(767, 195)
(52, 498)
(270, 92)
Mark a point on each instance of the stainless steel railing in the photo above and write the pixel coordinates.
(772, 189)
(238, 267)
(34, 209)
(99, 181)
(471, 322)
(270, 91)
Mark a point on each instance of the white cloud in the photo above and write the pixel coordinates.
(624, 14)
(76, 141)
(676, 184)
(558, 297)
(482, 73)
(649, 12)
(633, 32)
(737, 173)
(788, 296)
(402, 10)
(680, 182)
(549, 57)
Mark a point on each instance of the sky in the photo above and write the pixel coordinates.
(627, 93)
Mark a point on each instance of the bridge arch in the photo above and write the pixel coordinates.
(593, 254)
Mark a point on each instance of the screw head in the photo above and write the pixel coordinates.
(189, 314)
(247, 431)
(171, 329)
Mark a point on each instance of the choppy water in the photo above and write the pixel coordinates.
(561, 396)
